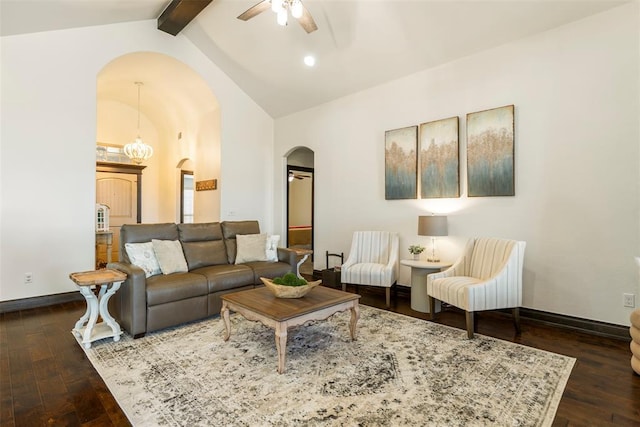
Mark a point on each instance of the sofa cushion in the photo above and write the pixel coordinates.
(140, 233)
(230, 229)
(268, 269)
(224, 277)
(203, 245)
(142, 255)
(162, 289)
(170, 256)
(251, 247)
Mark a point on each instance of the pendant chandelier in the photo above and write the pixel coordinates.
(138, 151)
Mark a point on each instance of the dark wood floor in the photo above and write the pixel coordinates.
(45, 378)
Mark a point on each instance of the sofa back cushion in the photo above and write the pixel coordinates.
(232, 228)
(203, 244)
(142, 233)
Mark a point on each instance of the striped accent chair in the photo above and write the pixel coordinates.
(488, 276)
(373, 261)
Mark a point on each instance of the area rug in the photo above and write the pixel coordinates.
(401, 371)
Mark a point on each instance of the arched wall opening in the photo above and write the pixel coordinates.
(179, 118)
(299, 203)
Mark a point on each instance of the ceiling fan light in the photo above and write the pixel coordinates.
(282, 17)
(277, 5)
(296, 9)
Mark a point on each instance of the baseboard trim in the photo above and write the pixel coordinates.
(592, 327)
(35, 302)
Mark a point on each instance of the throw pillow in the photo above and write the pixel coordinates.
(170, 256)
(272, 248)
(251, 247)
(143, 256)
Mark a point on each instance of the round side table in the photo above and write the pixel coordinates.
(87, 328)
(419, 272)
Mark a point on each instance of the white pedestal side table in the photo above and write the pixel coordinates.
(87, 328)
(419, 272)
(304, 253)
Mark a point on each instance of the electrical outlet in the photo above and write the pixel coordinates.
(28, 278)
(629, 300)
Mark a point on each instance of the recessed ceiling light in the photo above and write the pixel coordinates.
(309, 61)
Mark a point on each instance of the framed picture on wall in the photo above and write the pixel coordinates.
(490, 152)
(401, 163)
(439, 159)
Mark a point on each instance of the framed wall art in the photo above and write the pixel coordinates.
(439, 159)
(490, 152)
(401, 163)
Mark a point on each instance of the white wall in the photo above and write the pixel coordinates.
(576, 96)
(47, 160)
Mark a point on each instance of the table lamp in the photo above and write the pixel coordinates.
(432, 226)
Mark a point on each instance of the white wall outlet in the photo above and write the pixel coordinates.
(28, 278)
(629, 300)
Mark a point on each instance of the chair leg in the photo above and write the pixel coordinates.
(470, 323)
(516, 319)
(344, 287)
(432, 306)
(388, 295)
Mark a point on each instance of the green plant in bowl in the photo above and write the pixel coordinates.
(289, 279)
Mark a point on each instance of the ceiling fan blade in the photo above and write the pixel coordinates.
(255, 10)
(307, 22)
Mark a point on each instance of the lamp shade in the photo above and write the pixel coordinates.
(433, 225)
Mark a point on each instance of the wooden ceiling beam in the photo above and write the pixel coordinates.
(179, 13)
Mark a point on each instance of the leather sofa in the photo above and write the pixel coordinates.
(144, 304)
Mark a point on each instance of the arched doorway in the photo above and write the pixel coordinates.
(300, 202)
(178, 116)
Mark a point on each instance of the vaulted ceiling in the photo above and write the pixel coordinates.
(358, 44)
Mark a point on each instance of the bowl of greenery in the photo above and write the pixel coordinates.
(289, 286)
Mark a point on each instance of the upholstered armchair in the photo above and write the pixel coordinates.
(488, 276)
(373, 261)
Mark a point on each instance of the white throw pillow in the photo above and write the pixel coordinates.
(143, 256)
(170, 256)
(272, 248)
(251, 247)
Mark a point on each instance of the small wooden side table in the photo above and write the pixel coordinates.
(87, 328)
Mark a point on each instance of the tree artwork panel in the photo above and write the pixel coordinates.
(490, 152)
(401, 163)
(439, 159)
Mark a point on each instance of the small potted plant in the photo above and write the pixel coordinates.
(416, 250)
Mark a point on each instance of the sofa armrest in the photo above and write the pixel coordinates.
(289, 256)
(130, 302)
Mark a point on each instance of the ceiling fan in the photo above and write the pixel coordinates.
(282, 8)
(297, 176)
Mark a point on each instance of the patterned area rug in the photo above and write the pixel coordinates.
(400, 372)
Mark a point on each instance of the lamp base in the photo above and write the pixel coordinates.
(433, 259)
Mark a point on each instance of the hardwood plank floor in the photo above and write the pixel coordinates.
(46, 380)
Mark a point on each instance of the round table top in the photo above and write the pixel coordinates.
(425, 264)
(97, 277)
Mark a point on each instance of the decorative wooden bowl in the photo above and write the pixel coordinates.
(282, 291)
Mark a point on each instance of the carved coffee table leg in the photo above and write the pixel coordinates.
(224, 313)
(355, 315)
(281, 344)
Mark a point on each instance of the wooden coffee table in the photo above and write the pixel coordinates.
(281, 313)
